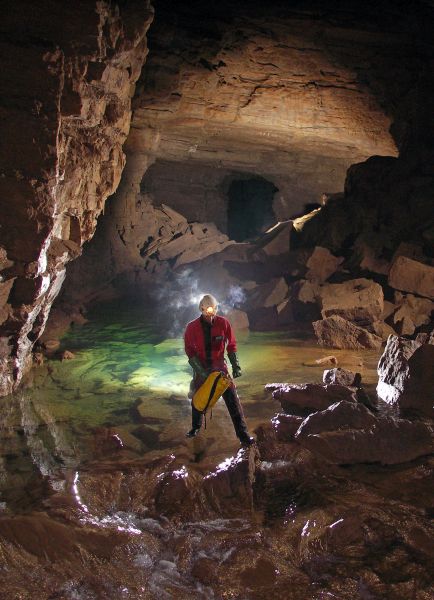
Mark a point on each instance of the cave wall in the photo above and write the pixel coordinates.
(294, 94)
(68, 75)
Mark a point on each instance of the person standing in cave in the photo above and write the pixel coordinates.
(206, 339)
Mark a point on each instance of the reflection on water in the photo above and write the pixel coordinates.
(69, 409)
(88, 446)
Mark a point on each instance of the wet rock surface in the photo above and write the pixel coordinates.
(347, 434)
(310, 396)
(406, 374)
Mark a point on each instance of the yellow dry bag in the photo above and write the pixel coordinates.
(210, 391)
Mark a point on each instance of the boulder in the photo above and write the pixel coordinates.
(276, 240)
(406, 374)
(348, 433)
(388, 309)
(412, 312)
(412, 276)
(308, 397)
(342, 377)
(371, 262)
(358, 300)
(229, 487)
(238, 319)
(305, 291)
(268, 294)
(321, 264)
(382, 329)
(336, 332)
(272, 438)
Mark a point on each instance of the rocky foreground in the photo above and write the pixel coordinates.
(335, 501)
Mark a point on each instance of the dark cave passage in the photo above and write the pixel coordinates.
(250, 208)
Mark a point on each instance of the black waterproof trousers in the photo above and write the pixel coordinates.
(235, 409)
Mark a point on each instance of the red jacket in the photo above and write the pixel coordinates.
(222, 337)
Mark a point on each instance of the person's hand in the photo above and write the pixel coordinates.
(236, 372)
(236, 369)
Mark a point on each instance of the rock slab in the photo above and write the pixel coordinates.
(348, 433)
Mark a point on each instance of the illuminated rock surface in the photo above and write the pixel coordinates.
(304, 132)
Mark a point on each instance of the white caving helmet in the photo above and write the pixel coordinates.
(208, 305)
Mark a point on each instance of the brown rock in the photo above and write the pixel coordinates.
(273, 438)
(336, 332)
(321, 264)
(310, 396)
(147, 435)
(411, 276)
(175, 493)
(204, 570)
(348, 433)
(262, 573)
(371, 262)
(325, 360)
(62, 149)
(412, 312)
(67, 355)
(268, 294)
(238, 319)
(229, 486)
(342, 377)
(406, 374)
(304, 300)
(276, 240)
(359, 300)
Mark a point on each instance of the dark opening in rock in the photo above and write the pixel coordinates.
(250, 207)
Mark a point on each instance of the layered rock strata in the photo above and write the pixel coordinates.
(61, 148)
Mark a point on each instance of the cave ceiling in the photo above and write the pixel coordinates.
(289, 94)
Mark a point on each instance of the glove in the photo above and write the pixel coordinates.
(236, 369)
(198, 368)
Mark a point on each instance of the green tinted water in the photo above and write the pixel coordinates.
(58, 421)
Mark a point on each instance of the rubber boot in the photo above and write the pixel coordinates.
(196, 422)
(236, 413)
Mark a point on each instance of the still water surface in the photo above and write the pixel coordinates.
(121, 355)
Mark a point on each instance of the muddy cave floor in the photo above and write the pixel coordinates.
(78, 517)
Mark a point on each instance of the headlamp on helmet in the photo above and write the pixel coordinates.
(208, 305)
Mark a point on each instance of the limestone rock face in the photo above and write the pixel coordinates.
(61, 148)
(358, 300)
(412, 276)
(337, 332)
(347, 433)
(406, 374)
